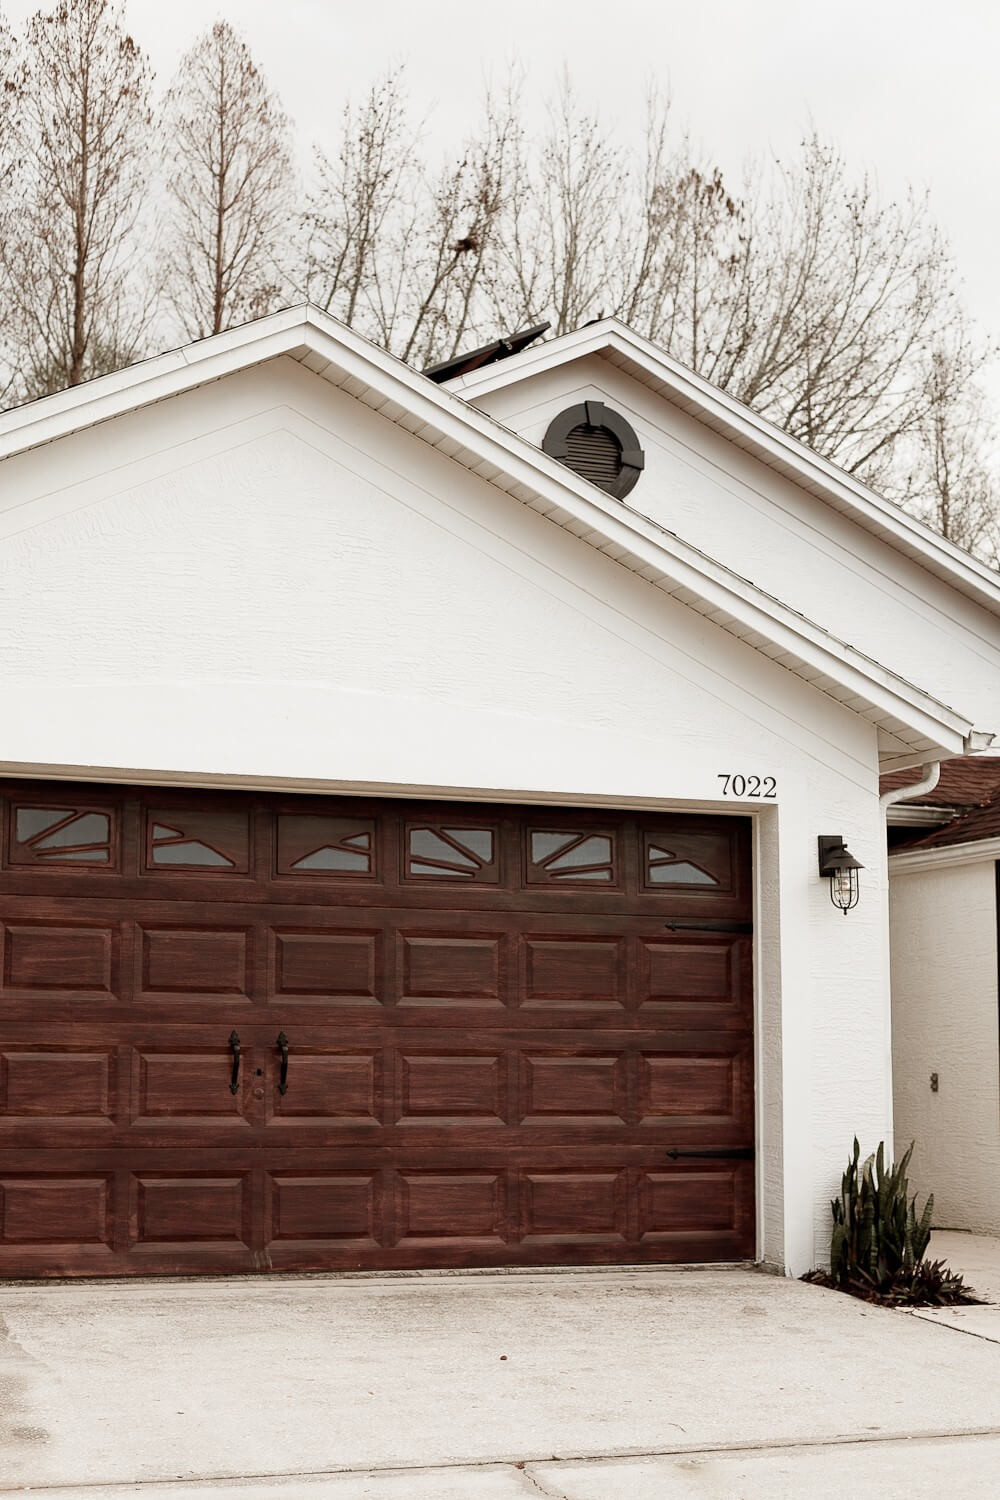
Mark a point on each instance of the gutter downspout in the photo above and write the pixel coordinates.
(931, 772)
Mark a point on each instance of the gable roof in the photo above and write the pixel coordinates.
(741, 425)
(912, 724)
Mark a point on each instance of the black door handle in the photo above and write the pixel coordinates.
(234, 1045)
(282, 1046)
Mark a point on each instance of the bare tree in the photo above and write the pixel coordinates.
(9, 343)
(952, 485)
(400, 253)
(80, 131)
(356, 198)
(228, 150)
(568, 223)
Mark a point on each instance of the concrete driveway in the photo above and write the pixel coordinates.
(589, 1385)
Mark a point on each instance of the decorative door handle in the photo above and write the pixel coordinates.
(282, 1046)
(234, 1045)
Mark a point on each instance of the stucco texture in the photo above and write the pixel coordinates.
(944, 1010)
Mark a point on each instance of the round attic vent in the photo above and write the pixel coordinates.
(598, 444)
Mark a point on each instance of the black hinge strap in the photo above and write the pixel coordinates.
(707, 926)
(730, 1153)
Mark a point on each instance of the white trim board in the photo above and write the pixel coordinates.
(912, 725)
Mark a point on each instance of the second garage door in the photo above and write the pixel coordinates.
(244, 1033)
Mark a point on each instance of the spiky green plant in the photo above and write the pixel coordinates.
(877, 1237)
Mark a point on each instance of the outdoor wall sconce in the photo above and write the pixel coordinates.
(837, 861)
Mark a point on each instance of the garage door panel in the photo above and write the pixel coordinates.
(508, 1039)
(201, 964)
(61, 1089)
(574, 1205)
(577, 973)
(696, 1200)
(188, 1089)
(439, 1085)
(698, 974)
(334, 1088)
(318, 1211)
(459, 1208)
(326, 968)
(582, 1087)
(699, 1085)
(51, 960)
(451, 969)
(190, 1208)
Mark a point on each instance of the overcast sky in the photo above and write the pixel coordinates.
(906, 88)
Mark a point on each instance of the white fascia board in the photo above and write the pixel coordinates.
(977, 851)
(471, 437)
(751, 431)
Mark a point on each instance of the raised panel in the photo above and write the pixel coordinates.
(195, 961)
(55, 1210)
(186, 1085)
(338, 1206)
(573, 1205)
(332, 966)
(173, 1208)
(454, 1085)
(49, 957)
(688, 1201)
(690, 1086)
(683, 971)
(450, 1205)
(450, 970)
(48, 1084)
(332, 1085)
(564, 971)
(590, 1087)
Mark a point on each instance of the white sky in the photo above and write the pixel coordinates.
(906, 88)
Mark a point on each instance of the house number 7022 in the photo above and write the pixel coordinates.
(734, 785)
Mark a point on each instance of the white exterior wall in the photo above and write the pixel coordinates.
(793, 545)
(264, 582)
(945, 1021)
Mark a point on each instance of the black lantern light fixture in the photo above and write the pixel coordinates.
(837, 862)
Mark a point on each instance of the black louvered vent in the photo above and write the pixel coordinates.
(598, 444)
(594, 454)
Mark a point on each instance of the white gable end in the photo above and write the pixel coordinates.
(790, 542)
(264, 595)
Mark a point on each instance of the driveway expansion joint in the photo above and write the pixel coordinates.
(525, 1467)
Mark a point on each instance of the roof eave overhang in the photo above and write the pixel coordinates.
(975, 851)
(912, 726)
(742, 426)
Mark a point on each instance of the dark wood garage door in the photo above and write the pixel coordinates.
(252, 1033)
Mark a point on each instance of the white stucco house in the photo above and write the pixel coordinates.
(411, 803)
(944, 876)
